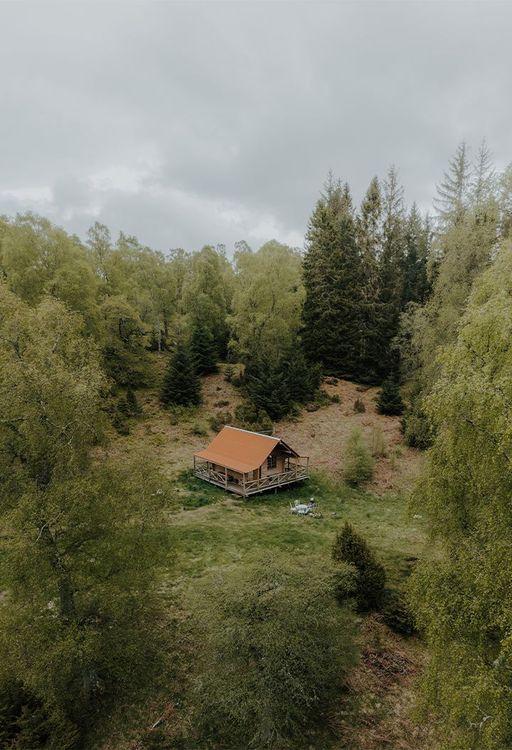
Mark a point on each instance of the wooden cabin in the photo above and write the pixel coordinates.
(248, 462)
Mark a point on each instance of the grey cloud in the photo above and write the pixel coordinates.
(194, 123)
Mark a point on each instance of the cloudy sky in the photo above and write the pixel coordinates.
(194, 123)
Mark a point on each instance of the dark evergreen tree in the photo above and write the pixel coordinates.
(391, 271)
(369, 240)
(389, 400)
(416, 285)
(333, 308)
(276, 386)
(350, 547)
(203, 349)
(181, 384)
(265, 386)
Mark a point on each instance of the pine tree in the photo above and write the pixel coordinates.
(417, 245)
(203, 349)
(483, 184)
(389, 400)
(369, 240)
(358, 461)
(349, 547)
(391, 268)
(333, 308)
(181, 386)
(452, 193)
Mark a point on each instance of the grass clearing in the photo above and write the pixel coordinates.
(210, 530)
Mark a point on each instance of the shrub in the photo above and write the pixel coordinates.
(221, 418)
(417, 430)
(359, 462)
(349, 547)
(344, 581)
(274, 651)
(249, 417)
(229, 373)
(26, 723)
(397, 614)
(378, 443)
(132, 404)
(389, 400)
(359, 406)
(199, 430)
(119, 418)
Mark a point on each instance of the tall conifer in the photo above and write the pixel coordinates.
(333, 282)
(181, 385)
(391, 265)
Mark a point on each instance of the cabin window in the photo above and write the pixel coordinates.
(271, 462)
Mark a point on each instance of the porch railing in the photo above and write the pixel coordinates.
(250, 486)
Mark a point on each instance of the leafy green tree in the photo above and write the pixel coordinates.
(207, 292)
(350, 548)
(358, 460)
(333, 307)
(181, 386)
(202, 348)
(38, 258)
(124, 341)
(463, 247)
(274, 650)
(462, 600)
(79, 541)
(267, 301)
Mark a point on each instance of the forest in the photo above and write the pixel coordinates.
(140, 609)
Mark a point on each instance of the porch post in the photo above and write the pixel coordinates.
(225, 477)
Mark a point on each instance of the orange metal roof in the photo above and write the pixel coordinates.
(240, 450)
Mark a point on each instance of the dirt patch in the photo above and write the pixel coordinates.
(322, 435)
(384, 683)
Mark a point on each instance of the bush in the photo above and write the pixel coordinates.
(349, 547)
(229, 373)
(26, 723)
(220, 419)
(359, 406)
(397, 614)
(199, 430)
(132, 404)
(249, 417)
(389, 400)
(359, 462)
(416, 429)
(275, 649)
(119, 418)
(344, 582)
(378, 443)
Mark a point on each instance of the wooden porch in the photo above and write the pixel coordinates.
(246, 484)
